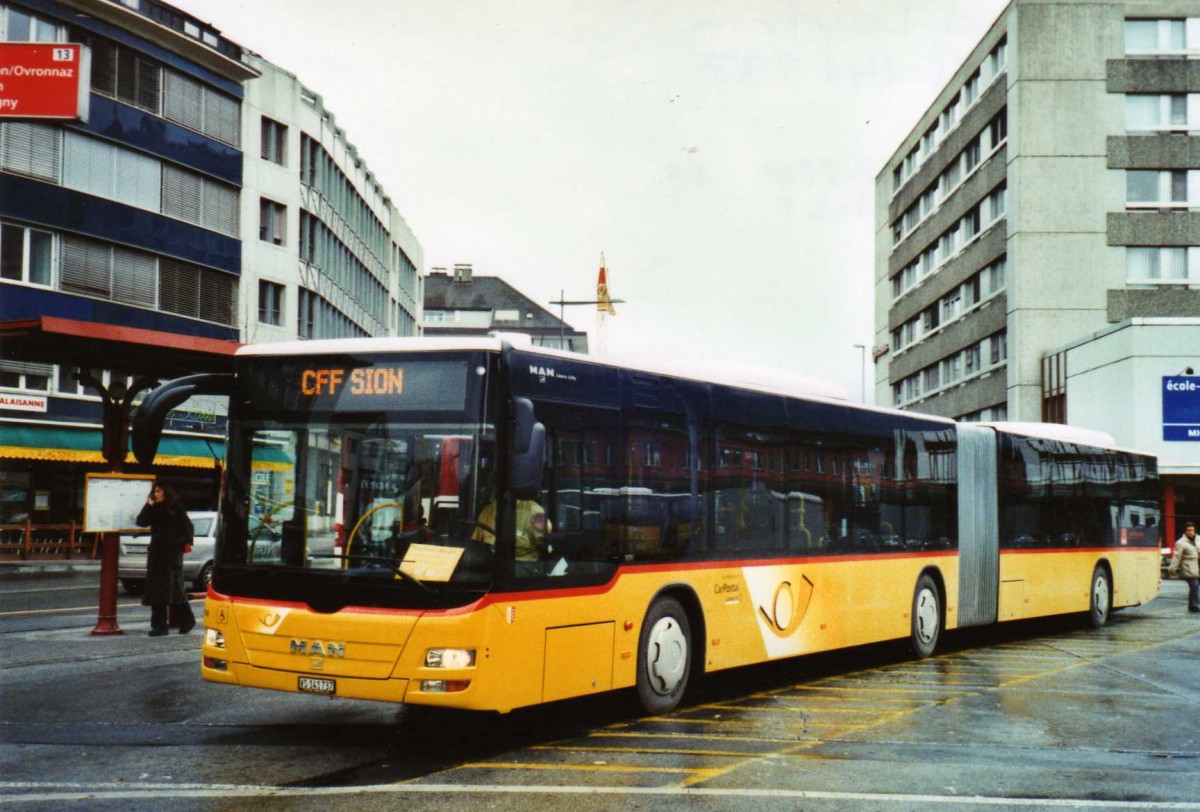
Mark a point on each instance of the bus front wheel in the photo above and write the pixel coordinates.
(1101, 600)
(926, 617)
(664, 656)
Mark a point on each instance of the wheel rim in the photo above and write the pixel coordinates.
(666, 655)
(926, 615)
(1100, 595)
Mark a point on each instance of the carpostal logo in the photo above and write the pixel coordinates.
(544, 374)
(781, 598)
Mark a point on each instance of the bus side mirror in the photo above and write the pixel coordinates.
(152, 413)
(528, 452)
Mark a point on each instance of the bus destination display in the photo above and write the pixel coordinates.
(347, 384)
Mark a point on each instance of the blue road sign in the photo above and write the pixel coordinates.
(1181, 408)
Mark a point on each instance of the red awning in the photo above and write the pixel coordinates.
(95, 345)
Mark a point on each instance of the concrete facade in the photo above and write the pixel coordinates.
(381, 254)
(1058, 72)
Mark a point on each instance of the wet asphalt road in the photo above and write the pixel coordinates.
(1032, 715)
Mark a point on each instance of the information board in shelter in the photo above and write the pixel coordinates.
(112, 502)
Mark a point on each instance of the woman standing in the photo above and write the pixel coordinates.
(164, 515)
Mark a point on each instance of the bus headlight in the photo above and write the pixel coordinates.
(450, 658)
(214, 638)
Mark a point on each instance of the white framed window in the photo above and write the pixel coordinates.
(1170, 37)
(270, 302)
(272, 220)
(19, 26)
(1150, 265)
(970, 292)
(952, 305)
(27, 255)
(951, 369)
(25, 375)
(1157, 112)
(273, 141)
(931, 378)
(971, 224)
(1156, 188)
(931, 319)
(998, 347)
(995, 205)
(972, 360)
(971, 89)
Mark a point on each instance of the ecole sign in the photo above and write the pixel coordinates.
(44, 80)
(1181, 408)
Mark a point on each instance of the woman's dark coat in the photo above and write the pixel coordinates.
(164, 558)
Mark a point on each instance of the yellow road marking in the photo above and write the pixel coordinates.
(75, 608)
(600, 768)
(92, 608)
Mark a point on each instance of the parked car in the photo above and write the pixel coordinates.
(197, 564)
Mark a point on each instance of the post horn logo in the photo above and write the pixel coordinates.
(788, 607)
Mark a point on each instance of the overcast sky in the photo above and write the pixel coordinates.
(722, 155)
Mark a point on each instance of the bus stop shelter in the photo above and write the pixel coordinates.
(149, 356)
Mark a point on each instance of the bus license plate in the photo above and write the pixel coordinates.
(316, 685)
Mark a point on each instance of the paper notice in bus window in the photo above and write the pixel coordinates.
(428, 562)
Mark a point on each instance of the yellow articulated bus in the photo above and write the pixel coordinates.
(478, 523)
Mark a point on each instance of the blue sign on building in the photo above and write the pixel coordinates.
(1181, 408)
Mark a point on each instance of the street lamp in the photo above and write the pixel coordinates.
(862, 351)
(563, 302)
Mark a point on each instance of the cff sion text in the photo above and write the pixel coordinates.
(375, 381)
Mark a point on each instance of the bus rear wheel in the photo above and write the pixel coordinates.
(664, 656)
(926, 617)
(1101, 597)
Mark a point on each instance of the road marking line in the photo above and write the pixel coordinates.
(77, 792)
(92, 608)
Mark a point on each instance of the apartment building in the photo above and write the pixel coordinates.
(208, 198)
(1049, 199)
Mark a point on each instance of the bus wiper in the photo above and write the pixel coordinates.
(387, 562)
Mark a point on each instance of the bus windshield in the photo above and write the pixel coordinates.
(360, 477)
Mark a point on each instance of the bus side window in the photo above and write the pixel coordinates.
(581, 468)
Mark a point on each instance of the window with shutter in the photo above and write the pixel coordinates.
(271, 219)
(135, 277)
(104, 66)
(222, 117)
(183, 100)
(31, 149)
(88, 165)
(273, 141)
(220, 208)
(218, 296)
(179, 285)
(181, 193)
(86, 267)
(139, 180)
(149, 86)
